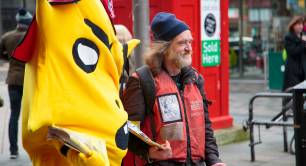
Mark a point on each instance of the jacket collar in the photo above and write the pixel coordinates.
(188, 75)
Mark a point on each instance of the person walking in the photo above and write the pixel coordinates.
(295, 65)
(304, 29)
(179, 119)
(15, 74)
(124, 35)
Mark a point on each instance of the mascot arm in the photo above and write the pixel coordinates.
(24, 50)
(94, 159)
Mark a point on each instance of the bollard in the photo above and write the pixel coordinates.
(299, 92)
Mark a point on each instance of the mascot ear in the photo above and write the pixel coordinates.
(109, 7)
(131, 45)
(61, 1)
(25, 48)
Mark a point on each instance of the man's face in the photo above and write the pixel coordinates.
(180, 50)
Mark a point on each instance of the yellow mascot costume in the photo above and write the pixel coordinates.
(73, 64)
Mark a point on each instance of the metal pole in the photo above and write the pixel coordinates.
(297, 107)
(141, 28)
(24, 4)
(241, 67)
(1, 19)
(299, 123)
(304, 7)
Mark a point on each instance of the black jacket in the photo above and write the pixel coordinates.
(8, 43)
(295, 67)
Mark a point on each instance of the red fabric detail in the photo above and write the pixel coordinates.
(109, 7)
(128, 160)
(196, 118)
(61, 1)
(24, 51)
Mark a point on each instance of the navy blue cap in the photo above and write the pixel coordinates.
(24, 17)
(165, 26)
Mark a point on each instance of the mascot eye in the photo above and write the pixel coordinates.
(85, 54)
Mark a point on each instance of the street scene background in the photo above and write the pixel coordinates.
(260, 27)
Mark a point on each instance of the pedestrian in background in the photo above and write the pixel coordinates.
(304, 29)
(295, 65)
(180, 112)
(124, 35)
(15, 74)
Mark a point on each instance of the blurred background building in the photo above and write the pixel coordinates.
(262, 27)
(259, 25)
(8, 9)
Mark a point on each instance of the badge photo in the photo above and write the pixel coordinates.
(169, 107)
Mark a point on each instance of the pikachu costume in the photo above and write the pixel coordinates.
(73, 64)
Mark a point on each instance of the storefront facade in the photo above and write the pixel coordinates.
(262, 27)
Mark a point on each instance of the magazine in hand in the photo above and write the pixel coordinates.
(138, 133)
(78, 141)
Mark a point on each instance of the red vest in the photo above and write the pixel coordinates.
(177, 116)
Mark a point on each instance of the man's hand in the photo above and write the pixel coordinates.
(219, 164)
(160, 154)
(304, 37)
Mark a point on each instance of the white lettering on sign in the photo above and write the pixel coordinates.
(213, 47)
(211, 59)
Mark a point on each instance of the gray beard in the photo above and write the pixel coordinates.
(180, 62)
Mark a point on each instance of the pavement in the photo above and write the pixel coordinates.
(23, 159)
(269, 153)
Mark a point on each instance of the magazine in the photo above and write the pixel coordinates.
(85, 143)
(80, 142)
(138, 133)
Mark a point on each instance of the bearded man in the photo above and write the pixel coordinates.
(179, 118)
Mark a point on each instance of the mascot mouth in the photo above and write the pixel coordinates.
(122, 136)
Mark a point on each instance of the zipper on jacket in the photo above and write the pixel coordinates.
(188, 160)
(181, 91)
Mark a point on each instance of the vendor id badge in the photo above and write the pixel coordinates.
(169, 107)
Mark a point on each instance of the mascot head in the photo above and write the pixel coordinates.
(74, 62)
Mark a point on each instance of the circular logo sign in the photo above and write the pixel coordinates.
(210, 25)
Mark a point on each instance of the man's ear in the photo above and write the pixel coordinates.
(54, 2)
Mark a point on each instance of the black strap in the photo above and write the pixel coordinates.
(64, 150)
(148, 89)
(126, 67)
